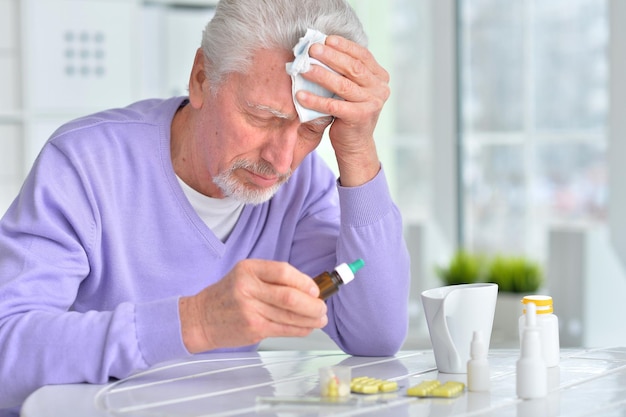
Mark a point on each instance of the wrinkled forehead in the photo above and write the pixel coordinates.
(266, 84)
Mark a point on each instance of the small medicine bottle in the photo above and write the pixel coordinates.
(478, 374)
(329, 282)
(548, 327)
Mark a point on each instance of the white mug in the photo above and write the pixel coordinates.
(453, 313)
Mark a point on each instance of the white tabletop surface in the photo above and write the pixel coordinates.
(590, 382)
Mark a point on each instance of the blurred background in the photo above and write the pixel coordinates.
(502, 137)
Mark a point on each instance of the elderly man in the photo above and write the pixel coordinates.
(195, 224)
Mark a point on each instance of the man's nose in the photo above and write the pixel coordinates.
(280, 148)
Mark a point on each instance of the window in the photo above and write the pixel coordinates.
(534, 103)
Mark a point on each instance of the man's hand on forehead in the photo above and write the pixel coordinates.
(363, 87)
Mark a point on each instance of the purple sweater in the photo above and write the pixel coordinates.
(101, 243)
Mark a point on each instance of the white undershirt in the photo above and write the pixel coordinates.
(219, 214)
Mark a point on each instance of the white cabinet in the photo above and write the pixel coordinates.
(61, 59)
(9, 58)
(8, 24)
(10, 104)
(10, 168)
(78, 55)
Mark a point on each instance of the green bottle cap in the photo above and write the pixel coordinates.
(346, 271)
(356, 265)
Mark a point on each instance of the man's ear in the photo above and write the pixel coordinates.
(198, 82)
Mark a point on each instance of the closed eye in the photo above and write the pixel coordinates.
(266, 115)
(320, 124)
(263, 121)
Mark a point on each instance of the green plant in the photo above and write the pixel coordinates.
(463, 268)
(513, 274)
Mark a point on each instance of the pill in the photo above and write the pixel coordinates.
(388, 386)
(365, 389)
(331, 389)
(449, 389)
(433, 388)
(423, 389)
(367, 385)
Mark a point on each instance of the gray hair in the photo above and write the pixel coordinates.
(242, 27)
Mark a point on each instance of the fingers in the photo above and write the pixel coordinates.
(281, 321)
(349, 58)
(281, 274)
(359, 80)
(359, 53)
(285, 294)
(255, 300)
(357, 69)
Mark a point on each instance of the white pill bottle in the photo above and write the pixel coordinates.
(548, 324)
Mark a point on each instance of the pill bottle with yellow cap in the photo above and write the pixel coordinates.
(548, 324)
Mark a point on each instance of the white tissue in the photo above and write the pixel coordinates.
(302, 63)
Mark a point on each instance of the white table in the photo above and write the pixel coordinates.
(278, 383)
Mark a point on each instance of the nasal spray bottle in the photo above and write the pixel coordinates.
(329, 282)
(532, 373)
